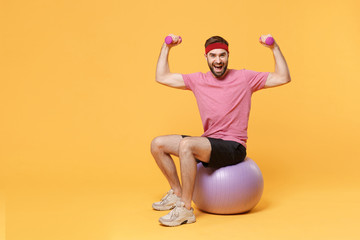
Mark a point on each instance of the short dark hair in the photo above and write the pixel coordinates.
(215, 39)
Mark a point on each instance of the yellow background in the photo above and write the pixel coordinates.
(79, 107)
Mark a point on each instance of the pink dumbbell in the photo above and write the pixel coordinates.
(269, 41)
(169, 40)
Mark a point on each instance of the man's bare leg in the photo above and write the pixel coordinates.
(190, 149)
(161, 148)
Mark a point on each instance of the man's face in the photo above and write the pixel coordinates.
(218, 61)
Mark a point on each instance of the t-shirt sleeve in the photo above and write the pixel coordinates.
(190, 80)
(256, 80)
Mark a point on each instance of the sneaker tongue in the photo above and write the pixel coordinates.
(180, 204)
(167, 195)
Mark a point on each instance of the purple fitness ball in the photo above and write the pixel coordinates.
(228, 190)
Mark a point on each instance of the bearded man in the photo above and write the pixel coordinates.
(224, 98)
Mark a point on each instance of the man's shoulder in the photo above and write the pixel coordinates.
(242, 72)
(194, 74)
(238, 70)
(235, 73)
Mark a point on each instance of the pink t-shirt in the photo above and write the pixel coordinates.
(224, 104)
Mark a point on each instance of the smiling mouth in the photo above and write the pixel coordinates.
(218, 68)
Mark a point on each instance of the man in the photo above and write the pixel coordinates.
(223, 96)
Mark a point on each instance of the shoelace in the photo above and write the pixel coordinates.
(176, 211)
(166, 196)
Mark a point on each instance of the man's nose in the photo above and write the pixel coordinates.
(217, 60)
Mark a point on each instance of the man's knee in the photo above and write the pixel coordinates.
(157, 144)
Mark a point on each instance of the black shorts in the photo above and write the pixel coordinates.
(224, 153)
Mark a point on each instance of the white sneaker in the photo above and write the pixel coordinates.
(179, 215)
(168, 202)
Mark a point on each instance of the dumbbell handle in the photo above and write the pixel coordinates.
(169, 39)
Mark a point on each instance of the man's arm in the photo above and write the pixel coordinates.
(281, 74)
(163, 74)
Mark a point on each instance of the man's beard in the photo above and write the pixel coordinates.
(218, 74)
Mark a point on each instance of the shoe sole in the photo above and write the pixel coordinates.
(174, 224)
(163, 208)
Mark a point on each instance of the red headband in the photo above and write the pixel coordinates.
(216, 45)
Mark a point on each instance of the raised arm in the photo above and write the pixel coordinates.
(163, 74)
(281, 74)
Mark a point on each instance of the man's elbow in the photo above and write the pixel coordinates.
(286, 79)
(279, 79)
(159, 78)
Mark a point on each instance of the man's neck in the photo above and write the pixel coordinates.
(222, 76)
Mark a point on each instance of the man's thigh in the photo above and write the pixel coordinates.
(170, 143)
(217, 153)
(200, 147)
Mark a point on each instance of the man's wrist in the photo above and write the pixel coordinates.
(275, 48)
(166, 48)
